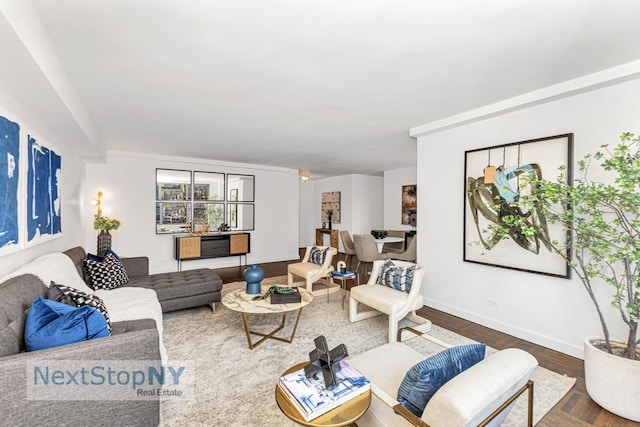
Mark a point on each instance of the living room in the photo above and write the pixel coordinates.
(594, 104)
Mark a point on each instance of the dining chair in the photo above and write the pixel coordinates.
(395, 246)
(366, 251)
(349, 247)
(408, 255)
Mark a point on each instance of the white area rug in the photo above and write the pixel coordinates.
(235, 385)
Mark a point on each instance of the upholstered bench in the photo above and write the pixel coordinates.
(175, 290)
(485, 390)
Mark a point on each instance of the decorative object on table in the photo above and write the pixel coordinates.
(379, 234)
(282, 295)
(489, 205)
(197, 227)
(341, 267)
(409, 204)
(329, 215)
(104, 224)
(253, 276)
(330, 202)
(325, 361)
(601, 222)
(224, 227)
(310, 396)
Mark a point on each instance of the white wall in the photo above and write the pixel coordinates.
(72, 203)
(361, 202)
(128, 181)
(552, 312)
(393, 182)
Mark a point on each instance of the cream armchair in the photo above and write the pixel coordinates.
(312, 272)
(385, 300)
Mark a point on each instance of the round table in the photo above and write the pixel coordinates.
(380, 242)
(346, 414)
(245, 303)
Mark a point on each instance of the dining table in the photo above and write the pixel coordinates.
(380, 242)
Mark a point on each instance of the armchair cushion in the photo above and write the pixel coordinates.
(317, 255)
(51, 324)
(396, 277)
(425, 378)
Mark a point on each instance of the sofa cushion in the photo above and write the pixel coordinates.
(16, 296)
(180, 284)
(396, 277)
(78, 298)
(51, 324)
(105, 272)
(424, 379)
(317, 255)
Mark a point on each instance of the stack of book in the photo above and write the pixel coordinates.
(338, 273)
(310, 396)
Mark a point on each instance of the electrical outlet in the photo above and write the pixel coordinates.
(492, 302)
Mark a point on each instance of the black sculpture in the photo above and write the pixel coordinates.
(324, 360)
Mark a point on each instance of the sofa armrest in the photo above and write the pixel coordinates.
(138, 340)
(136, 266)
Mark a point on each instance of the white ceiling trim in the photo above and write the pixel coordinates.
(29, 29)
(611, 76)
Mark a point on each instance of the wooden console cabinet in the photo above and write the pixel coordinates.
(211, 246)
(333, 237)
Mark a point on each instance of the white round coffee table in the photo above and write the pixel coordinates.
(245, 303)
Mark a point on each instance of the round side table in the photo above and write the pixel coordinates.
(344, 415)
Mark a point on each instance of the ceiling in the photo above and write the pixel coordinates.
(327, 87)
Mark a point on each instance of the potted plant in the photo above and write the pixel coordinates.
(602, 221)
(104, 224)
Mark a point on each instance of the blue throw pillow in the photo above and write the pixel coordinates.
(318, 255)
(51, 323)
(395, 277)
(424, 379)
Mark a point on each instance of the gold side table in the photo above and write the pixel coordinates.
(344, 415)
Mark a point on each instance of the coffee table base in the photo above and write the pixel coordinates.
(270, 335)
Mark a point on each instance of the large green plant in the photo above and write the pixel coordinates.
(603, 224)
(105, 223)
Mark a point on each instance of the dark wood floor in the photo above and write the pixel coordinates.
(575, 409)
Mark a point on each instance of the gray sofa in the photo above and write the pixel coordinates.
(175, 290)
(131, 340)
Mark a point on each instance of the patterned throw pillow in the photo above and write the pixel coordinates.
(76, 298)
(395, 277)
(318, 255)
(105, 272)
(425, 378)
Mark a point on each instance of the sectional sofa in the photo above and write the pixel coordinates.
(135, 310)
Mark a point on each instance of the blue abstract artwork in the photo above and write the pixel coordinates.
(9, 164)
(43, 191)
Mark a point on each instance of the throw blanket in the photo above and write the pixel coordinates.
(122, 303)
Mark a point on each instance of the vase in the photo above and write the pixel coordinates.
(612, 382)
(253, 276)
(104, 242)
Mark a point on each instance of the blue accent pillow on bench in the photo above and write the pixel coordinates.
(425, 378)
(51, 324)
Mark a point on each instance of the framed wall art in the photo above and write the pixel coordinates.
(330, 205)
(409, 204)
(492, 181)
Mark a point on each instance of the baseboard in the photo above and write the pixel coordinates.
(525, 334)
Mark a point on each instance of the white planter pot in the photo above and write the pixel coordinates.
(612, 381)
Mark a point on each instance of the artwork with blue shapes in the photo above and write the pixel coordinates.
(43, 191)
(9, 164)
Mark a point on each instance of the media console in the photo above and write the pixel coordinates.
(211, 246)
